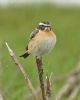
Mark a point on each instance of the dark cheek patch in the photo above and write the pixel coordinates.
(41, 27)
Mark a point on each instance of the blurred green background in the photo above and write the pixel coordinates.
(16, 24)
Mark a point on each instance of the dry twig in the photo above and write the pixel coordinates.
(25, 75)
(48, 90)
(70, 87)
(1, 97)
(74, 93)
(40, 73)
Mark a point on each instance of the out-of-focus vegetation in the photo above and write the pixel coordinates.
(16, 24)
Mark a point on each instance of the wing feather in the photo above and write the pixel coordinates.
(32, 35)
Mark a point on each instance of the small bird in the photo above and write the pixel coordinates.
(41, 40)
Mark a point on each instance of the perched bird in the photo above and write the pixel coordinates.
(41, 40)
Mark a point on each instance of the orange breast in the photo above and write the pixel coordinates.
(45, 34)
(42, 35)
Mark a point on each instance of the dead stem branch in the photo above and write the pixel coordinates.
(72, 81)
(48, 90)
(25, 75)
(75, 93)
(1, 97)
(40, 73)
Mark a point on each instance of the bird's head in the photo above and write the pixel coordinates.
(44, 26)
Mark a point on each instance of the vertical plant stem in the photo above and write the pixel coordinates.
(40, 73)
(48, 90)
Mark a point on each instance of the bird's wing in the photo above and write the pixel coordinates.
(32, 35)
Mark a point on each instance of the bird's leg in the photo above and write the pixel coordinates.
(40, 73)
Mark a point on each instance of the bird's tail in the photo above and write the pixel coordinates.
(25, 55)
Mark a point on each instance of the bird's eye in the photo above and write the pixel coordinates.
(41, 27)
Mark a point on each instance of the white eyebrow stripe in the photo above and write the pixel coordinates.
(44, 24)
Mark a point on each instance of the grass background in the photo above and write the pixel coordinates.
(16, 24)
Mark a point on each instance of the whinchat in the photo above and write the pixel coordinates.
(41, 40)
